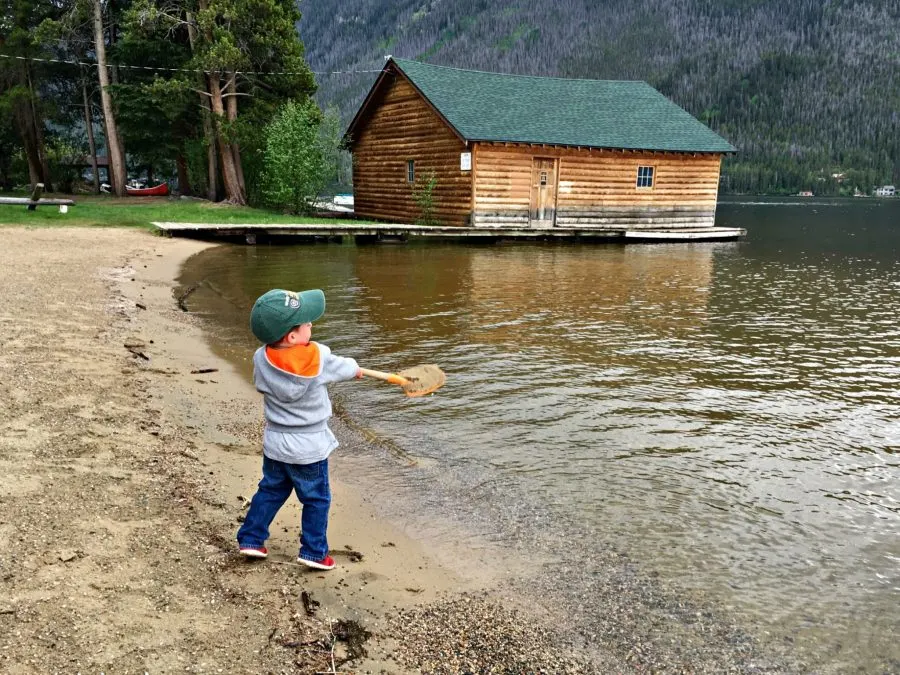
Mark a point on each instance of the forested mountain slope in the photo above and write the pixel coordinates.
(805, 89)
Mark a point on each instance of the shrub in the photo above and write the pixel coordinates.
(296, 158)
(423, 195)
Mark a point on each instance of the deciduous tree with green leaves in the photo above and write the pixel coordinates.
(298, 158)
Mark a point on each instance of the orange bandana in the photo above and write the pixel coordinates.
(300, 360)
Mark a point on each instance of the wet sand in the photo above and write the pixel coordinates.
(128, 451)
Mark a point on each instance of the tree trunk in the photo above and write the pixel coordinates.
(149, 175)
(42, 150)
(212, 159)
(115, 151)
(22, 112)
(113, 38)
(233, 192)
(212, 156)
(37, 133)
(110, 176)
(184, 181)
(89, 125)
(232, 111)
(29, 142)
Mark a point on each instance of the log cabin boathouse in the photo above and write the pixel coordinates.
(520, 152)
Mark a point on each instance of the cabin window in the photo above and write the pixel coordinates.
(645, 177)
(543, 178)
(410, 171)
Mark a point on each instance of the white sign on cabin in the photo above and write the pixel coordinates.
(465, 161)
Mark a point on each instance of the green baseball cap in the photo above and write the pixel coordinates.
(277, 311)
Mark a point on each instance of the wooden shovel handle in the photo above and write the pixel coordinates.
(387, 377)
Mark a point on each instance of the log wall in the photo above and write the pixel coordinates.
(401, 127)
(597, 188)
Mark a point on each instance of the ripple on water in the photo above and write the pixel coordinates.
(726, 413)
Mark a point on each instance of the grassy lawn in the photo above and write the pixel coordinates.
(106, 211)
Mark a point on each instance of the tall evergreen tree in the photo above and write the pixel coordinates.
(114, 148)
(20, 79)
(87, 29)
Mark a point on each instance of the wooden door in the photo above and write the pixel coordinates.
(543, 192)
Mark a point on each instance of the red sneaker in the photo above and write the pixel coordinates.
(254, 551)
(326, 563)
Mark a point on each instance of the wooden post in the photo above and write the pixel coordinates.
(474, 201)
(35, 196)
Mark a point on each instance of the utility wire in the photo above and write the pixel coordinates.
(182, 70)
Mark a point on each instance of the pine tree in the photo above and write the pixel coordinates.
(20, 99)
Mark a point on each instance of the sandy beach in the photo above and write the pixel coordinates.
(128, 453)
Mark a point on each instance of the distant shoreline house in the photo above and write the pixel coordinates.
(531, 152)
(85, 166)
(885, 191)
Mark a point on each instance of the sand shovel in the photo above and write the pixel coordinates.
(416, 381)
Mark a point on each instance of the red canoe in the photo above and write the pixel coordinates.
(160, 190)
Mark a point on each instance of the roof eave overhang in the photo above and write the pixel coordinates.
(732, 151)
(357, 118)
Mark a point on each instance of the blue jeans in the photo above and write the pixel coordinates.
(279, 479)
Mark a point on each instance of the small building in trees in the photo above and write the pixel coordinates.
(493, 150)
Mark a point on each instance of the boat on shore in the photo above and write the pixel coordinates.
(160, 190)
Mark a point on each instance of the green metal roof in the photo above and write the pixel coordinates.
(589, 113)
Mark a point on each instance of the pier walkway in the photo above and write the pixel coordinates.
(252, 233)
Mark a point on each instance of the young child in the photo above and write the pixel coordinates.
(292, 373)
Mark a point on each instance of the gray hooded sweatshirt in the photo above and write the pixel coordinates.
(297, 407)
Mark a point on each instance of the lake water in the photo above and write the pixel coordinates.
(727, 415)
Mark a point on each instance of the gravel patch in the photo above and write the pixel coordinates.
(473, 634)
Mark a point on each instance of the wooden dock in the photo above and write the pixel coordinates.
(253, 233)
